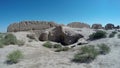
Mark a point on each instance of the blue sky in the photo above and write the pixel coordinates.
(60, 11)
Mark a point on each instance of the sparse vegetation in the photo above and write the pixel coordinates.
(48, 44)
(62, 49)
(112, 34)
(10, 39)
(14, 57)
(57, 46)
(2, 35)
(20, 42)
(89, 53)
(1, 41)
(103, 49)
(97, 35)
(1, 45)
(118, 35)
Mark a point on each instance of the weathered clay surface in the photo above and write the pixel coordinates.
(109, 26)
(97, 26)
(62, 35)
(78, 25)
(30, 25)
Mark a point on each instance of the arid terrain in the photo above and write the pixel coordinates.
(38, 56)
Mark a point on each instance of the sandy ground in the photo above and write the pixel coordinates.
(37, 56)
